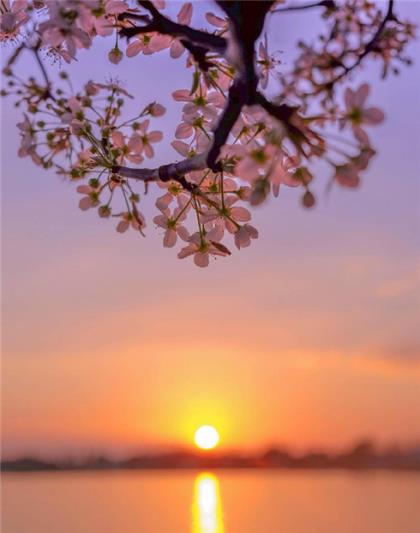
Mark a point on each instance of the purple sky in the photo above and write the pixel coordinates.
(98, 326)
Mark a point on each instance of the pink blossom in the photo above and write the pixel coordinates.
(201, 102)
(184, 17)
(27, 135)
(266, 62)
(172, 224)
(110, 86)
(248, 126)
(156, 110)
(347, 175)
(148, 43)
(91, 198)
(183, 148)
(131, 149)
(129, 219)
(281, 174)
(256, 159)
(146, 138)
(75, 111)
(173, 191)
(61, 27)
(115, 7)
(244, 234)
(201, 249)
(216, 21)
(228, 214)
(191, 125)
(12, 17)
(358, 114)
(159, 4)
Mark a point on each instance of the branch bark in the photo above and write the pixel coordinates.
(161, 24)
(172, 171)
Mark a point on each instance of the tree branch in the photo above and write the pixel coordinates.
(236, 100)
(247, 19)
(199, 53)
(35, 50)
(166, 26)
(370, 46)
(172, 171)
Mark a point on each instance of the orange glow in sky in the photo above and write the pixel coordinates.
(309, 338)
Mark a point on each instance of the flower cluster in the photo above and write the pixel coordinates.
(353, 30)
(83, 136)
(204, 206)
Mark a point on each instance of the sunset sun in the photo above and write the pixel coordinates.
(206, 437)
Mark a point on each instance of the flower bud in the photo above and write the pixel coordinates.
(308, 200)
(115, 55)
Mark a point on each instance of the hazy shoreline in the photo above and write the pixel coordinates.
(362, 456)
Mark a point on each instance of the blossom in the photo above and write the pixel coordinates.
(114, 86)
(90, 198)
(281, 174)
(256, 158)
(155, 110)
(202, 102)
(145, 138)
(62, 26)
(244, 234)
(131, 149)
(75, 111)
(266, 63)
(148, 43)
(229, 214)
(133, 220)
(12, 17)
(249, 125)
(347, 175)
(197, 126)
(27, 135)
(216, 21)
(183, 149)
(184, 17)
(201, 248)
(172, 223)
(358, 114)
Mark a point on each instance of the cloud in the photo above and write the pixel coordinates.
(402, 286)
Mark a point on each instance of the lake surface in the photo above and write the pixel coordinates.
(218, 502)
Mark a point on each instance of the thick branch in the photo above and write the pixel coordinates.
(166, 26)
(282, 112)
(236, 100)
(172, 171)
(247, 19)
(199, 53)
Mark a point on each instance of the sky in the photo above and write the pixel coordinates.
(309, 338)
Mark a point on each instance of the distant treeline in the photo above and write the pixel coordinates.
(362, 456)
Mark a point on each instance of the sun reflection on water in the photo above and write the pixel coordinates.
(207, 505)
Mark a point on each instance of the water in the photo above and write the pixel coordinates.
(218, 502)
